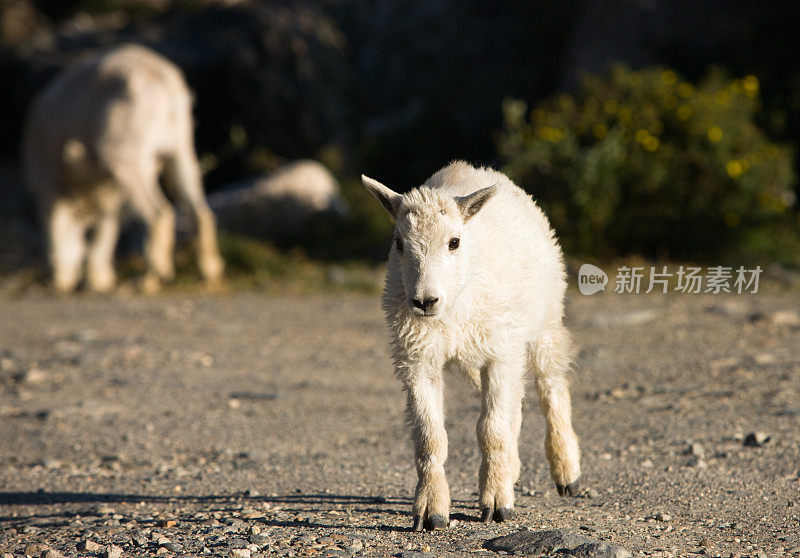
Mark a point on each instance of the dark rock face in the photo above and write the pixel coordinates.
(553, 542)
(682, 34)
(274, 70)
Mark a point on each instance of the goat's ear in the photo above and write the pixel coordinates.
(389, 199)
(471, 204)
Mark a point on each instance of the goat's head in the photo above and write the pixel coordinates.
(432, 241)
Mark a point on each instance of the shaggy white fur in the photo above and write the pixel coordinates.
(476, 282)
(99, 137)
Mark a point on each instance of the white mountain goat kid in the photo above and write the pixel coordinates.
(476, 282)
(100, 136)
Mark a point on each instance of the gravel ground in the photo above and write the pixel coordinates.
(247, 424)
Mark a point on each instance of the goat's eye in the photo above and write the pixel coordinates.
(399, 244)
(454, 242)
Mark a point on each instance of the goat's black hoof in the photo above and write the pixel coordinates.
(417, 523)
(569, 490)
(486, 515)
(503, 514)
(436, 522)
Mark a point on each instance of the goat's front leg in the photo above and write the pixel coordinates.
(502, 388)
(425, 406)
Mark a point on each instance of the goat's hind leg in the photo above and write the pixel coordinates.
(551, 358)
(182, 173)
(140, 181)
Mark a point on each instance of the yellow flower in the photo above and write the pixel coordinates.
(685, 89)
(669, 77)
(599, 131)
(751, 85)
(735, 168)
(715, 134)
(610, 106)
(651, 143)
(548, 133)
(684, 112)
(722, 98)
(641, 135)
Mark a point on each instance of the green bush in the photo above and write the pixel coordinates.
(644, 162)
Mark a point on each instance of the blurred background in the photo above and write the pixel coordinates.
(665, 130)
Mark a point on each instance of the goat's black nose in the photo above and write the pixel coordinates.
(424, 305)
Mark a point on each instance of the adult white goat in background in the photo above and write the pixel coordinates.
(100, 136)
(476, 282)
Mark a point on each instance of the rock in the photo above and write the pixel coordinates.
(88, 545)
(51, 554)
(756, 439)
(237, 525)
(32, 376)
(35, 549)
(632, 317)
(415, 554)
(725, 362)
(237, 542)
(695, 449)
(790, 318)
(663, 517)
(557, 541)
(239, 553)
(732, 308)
(764, 359)
(260, 540)
(160, 539)
(112, 551)
(355, 546)
(280, 204)
(696, 461)
(51, 463)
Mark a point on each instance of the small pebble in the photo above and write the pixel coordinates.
(89, 546)
(695, 461)
(695, 449)
(32, 376)
(112, 551)
(756, 439)
(785, 318)
(239, 553)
